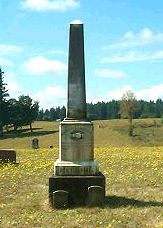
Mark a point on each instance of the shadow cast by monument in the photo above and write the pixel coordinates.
(120, 201)
(26, 133)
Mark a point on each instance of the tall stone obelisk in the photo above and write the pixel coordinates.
(76, 165)
(76, 107)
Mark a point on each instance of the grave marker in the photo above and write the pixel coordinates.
(7, 156)
(35, 143)
(76, 170)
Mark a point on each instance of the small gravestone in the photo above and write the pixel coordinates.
(95, 196)
(35, 143)
(7, 156)
(60, 199)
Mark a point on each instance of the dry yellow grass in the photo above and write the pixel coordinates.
(133, 171)
(106, 133)
(133, 185)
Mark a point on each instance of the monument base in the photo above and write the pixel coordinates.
(67, 168)
(76, 190)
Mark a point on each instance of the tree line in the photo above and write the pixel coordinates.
(108, 110)
(15, 113)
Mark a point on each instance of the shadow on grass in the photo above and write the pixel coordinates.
(119, 201)
(26, 133)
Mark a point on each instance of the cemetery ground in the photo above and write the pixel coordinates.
(133, 168)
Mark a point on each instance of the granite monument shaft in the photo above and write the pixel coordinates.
(76, 107)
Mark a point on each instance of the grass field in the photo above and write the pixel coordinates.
(147, 132)
(133, 168)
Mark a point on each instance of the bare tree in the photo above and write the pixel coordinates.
(128, 107)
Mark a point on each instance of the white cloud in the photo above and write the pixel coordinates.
(41, 65)
(117, 93)
(46, 5)
(51, 96)
(133, 56)
(8, 49)
(152, 93)
(143, 37)
(55, 52)
(108, 73)
(5, 62)
(13, 87)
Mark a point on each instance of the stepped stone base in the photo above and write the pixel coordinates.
(77, 188)
(66, 168)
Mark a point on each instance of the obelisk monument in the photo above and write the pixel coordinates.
(75, 170)
(76, 107)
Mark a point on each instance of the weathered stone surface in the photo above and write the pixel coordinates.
(76, 141)
(96, 196)
(76, 186)
(35, 143)
(7, 155)
(60, 199)
(76, 74)
(76, 155)
(76, 168)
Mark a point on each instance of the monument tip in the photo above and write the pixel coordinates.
(76, 22)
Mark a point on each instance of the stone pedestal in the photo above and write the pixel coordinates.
(76, 149)
(75, 171)
(76, 141)
(77, 188)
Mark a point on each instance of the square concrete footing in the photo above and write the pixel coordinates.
(78, 190)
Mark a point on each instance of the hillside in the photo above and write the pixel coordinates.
(133, 178)
(147, 132)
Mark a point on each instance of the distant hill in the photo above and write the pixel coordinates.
(147, 132)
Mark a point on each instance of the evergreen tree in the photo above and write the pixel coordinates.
(53, 114)
(91, 113)
(113, 110)
(15, 118)
(62, 113)
(46, 115)
(159, 108)
(3, 103)
(109, 110)
(40, 115)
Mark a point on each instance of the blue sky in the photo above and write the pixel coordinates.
(123, 48)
